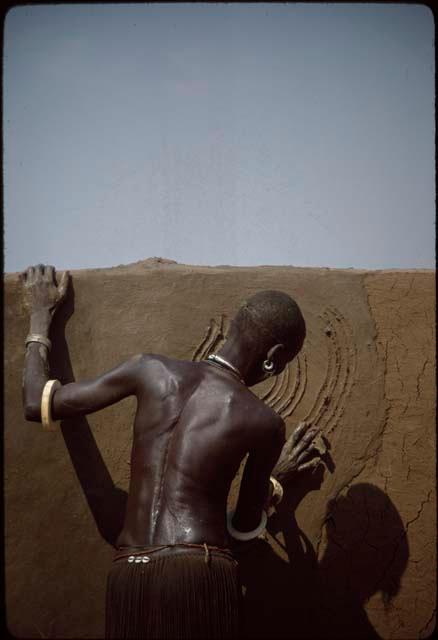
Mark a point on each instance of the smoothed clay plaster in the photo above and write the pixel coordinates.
(358, 559)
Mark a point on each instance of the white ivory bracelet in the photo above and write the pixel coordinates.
(246, 535)
(46, 405)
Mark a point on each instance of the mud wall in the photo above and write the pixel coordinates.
(352, 551)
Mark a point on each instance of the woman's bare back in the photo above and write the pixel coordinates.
(194, 425)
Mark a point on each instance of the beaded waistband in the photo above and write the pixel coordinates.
(142, 554)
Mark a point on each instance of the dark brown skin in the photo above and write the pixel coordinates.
(194, 424)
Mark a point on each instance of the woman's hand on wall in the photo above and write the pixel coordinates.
(42, 294)
(302, 451)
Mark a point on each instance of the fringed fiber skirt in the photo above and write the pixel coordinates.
(173, 592)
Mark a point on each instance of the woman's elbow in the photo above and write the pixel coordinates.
(32, 412)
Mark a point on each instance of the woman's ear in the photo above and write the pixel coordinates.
(275, 352)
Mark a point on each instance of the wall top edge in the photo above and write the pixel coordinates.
(171, 265)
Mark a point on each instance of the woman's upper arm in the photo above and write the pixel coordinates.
(81, 398)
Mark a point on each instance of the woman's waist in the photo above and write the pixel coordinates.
(175, 524)
(146, 553)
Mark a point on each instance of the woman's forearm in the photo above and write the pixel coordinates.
(36, 366)
(42, 296)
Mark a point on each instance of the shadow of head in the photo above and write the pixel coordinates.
(367, 545)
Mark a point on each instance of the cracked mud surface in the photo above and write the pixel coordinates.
(366, 377)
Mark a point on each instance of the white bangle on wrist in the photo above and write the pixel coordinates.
(277, 490)
(46, 405)
(276, 497)
(246, 535)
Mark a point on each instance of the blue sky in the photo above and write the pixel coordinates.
(244, 134)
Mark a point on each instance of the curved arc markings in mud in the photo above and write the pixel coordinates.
(289, 388)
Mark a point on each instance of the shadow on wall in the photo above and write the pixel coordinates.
(106, 501)
(366, 551)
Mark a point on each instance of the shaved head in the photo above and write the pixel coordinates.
(269, 318)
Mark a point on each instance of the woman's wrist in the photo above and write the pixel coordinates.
(269, 499)
(40, 320)
(275, 490)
